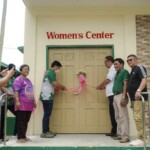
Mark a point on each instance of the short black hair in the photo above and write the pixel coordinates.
(56, 63)
(109, 58)
(121, 61)
(132, 55)
(10, 66)
(24, 65)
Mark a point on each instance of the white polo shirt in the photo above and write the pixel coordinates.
(111, 76)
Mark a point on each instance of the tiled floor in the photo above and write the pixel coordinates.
(73, 140)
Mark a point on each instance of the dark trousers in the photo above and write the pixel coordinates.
(23, 118)
(47, 108)
(11, 109)
(112, 115)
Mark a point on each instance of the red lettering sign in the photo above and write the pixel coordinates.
(88, 35)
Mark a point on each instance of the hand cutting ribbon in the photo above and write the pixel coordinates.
(82, 84)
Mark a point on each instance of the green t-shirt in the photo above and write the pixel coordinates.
(120, 77)
(47, 92)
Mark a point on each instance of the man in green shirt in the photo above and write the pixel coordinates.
(120, 101)
(47, 97)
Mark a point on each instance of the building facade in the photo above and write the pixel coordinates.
(80, 36)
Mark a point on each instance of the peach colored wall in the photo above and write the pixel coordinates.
(75, 20)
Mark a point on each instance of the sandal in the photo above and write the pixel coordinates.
(21, 141)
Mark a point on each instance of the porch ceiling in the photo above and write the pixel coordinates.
(85, 3)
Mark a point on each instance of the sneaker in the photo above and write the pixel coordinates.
(117, 138)
(51, 132)
(137, 142)
(134, 141)
(47, 135)
(124, 140)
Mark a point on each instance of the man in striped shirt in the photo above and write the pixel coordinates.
(137, 83)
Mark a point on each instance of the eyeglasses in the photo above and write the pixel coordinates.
(129, 60)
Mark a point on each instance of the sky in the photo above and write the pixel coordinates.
(14, 32)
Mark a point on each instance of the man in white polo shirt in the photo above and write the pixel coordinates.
(108, 85)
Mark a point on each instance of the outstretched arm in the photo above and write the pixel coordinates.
(5, 79)
(58, 85)
(103, 84)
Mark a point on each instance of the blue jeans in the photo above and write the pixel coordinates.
(47, 108)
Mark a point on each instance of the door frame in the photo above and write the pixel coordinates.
(75, 46)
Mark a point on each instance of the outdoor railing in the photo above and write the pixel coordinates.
(143, 116)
